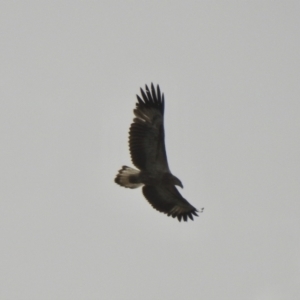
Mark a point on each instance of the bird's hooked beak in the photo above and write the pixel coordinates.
(179, 183)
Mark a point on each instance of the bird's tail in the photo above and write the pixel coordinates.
(128, 177)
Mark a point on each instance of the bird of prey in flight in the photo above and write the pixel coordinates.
(148, 154)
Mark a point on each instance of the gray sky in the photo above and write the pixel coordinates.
(69, 72)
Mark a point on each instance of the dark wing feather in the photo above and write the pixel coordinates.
(168, 200)
(146, 134)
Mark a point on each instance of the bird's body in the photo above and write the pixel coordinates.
(148, 154)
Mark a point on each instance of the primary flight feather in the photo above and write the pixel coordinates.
(148, 154)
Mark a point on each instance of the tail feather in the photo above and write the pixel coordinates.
(128, 177)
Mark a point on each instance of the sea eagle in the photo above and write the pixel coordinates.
(148, 154)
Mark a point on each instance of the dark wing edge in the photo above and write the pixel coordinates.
(146, 133)
(151, 99)
(167, 199)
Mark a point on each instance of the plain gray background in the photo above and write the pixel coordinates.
(69, 74)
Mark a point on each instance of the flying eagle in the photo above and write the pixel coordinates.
(148, 154)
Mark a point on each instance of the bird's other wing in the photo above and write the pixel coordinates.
(146, 134)
(167, 199)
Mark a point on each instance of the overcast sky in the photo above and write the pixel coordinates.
(69, 74)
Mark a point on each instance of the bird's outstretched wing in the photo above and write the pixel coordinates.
(167, 199)
(146, 134)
